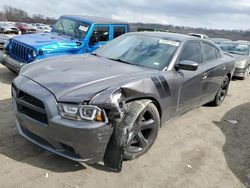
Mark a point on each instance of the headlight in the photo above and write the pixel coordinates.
(241, 63)
(33, 53)
(81, 112)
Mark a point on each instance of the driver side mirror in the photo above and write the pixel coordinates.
(188, 65)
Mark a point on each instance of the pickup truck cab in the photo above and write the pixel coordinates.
(69, 35)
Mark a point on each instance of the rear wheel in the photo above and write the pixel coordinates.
(143, 132)
(222, 92)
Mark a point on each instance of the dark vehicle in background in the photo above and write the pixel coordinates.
(25, 28)
(240, 51)
(69, 35)
(108, 105)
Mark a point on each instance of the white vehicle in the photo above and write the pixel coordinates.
(199, 35)
(43, 29)
(9, 28)
(244, 41)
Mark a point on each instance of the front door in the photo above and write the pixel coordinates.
(190, 86)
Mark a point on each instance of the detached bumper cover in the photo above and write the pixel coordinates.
(11, 63)
(79, 141)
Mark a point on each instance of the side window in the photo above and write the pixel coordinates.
(102, 32)
(118, 30)
(191, 52)
(210, 52)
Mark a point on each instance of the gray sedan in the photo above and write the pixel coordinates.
(108, 105)
(240, 51)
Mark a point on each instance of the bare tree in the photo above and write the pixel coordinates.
(14, 14)
(18, 15)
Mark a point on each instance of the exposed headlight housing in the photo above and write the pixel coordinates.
(241, 63)
(81, 112)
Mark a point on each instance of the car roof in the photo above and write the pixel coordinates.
(170, 36)
(94, 19)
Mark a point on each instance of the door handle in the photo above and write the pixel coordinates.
(204, 76)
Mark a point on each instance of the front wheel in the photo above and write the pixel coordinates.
(143, 132)
(222, 92)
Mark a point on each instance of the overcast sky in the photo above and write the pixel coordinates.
(218, 14)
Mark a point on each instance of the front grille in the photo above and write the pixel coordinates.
(32, 113)
(30, 106)
(19, 51)
(30, 99)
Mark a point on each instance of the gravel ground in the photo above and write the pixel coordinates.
(199, 149)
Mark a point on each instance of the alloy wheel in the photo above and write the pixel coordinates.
(142, 132)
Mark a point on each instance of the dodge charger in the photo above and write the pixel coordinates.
(109, 105)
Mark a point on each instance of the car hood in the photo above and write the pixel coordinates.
(238, 57)
(75, 78)
(49, 42)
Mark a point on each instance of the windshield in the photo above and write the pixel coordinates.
(235, 48)
(71, 28)
(139, 50)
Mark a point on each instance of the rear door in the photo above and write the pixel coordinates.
(213, 72)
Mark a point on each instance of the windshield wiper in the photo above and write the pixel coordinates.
(95, 54)
(121, 61)
(232, 52)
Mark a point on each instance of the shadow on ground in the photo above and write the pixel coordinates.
(13, 146)
(237, 144)
(6, 76)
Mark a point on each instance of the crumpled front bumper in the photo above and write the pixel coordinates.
(11, 63)
(83, 141)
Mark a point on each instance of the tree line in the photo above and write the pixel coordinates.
(212, 33)
(10, 13)
(13, 14)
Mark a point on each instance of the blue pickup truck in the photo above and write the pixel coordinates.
(69, 35)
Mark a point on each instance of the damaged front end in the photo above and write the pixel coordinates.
(121, 114)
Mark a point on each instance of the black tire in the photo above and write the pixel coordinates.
(222, 92)
(143, 135)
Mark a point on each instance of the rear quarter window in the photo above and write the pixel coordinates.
(118, 30)
(191, 52)
(210, 52)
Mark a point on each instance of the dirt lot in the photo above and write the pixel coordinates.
(198, 149)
